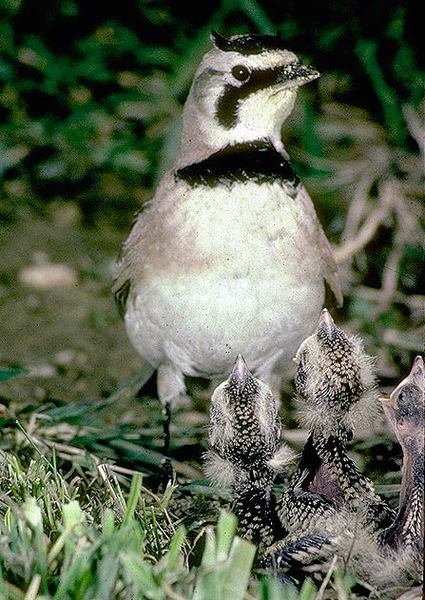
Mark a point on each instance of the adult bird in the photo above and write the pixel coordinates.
(228, 257)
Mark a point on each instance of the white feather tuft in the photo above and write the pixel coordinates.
(283, 457)
(218, 470)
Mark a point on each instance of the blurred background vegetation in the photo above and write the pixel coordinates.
(90, 102)
(91, 93)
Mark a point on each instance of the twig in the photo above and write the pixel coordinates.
(340, 589)
(399, 339)
(352, 545)
(364, 235)
(415, 301)
(170, 592)
(326, 580)
(390, 274)
(186, 469)
(65, 448)
(415, 127)
(179, 467)
(34, 586)
(357, 207)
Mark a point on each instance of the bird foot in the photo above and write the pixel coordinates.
(166, 474)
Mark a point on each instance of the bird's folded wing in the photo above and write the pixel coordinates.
(121, 290)
(126, 268)
(330, 268)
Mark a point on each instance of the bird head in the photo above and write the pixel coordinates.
(243, 407)
(244, 429)
(243, 90)
(335, 378)
(404, 408)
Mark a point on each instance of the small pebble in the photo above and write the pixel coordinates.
(47, 276)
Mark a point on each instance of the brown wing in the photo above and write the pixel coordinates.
(126, 268)
(330, 268)
(121, 292)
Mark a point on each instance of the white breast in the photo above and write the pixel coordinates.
(237, 274)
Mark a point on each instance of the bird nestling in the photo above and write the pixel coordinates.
(405, 413)
(228, 257)
(336, 387)
(392, 560)
(329, 507)
(246, 451)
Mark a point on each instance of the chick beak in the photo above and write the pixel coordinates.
(415, 377)
(326, 323)
(389, 406)
(387, 401)
(296, 74)
(240, 373)
(418, 372)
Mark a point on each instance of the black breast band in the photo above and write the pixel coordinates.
(257, 162)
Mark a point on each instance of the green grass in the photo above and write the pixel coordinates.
(70, 537)
(75, 525)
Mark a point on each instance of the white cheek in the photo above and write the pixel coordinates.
(259, 116)
(264, 113)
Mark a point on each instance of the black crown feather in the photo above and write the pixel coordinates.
(247, 44)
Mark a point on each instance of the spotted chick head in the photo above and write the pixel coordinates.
(244, 429)
(335, 379)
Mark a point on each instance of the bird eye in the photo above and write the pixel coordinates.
(241, 73)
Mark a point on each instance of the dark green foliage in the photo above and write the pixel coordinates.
(90, 96)
(6, 374)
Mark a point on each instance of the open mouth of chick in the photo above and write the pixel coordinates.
(324, 484)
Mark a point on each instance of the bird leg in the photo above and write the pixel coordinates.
(170, 384)
(166, 415)
(167, 472)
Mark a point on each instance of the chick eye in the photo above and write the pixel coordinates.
(241, 73)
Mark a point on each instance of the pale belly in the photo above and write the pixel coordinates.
(200, 323)
(226, 274)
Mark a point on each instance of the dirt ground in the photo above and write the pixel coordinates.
(70, 336)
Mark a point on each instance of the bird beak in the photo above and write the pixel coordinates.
(296, 74)
(326, 322)
(417, 374)
(240, 373)
(388, 402)
(415, 377)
